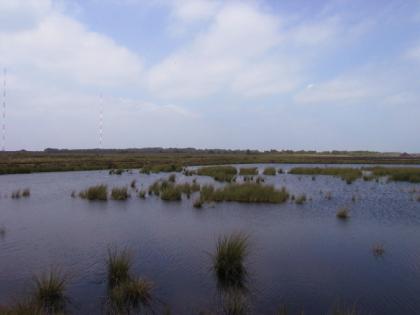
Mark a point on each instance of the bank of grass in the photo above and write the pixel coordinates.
(400, 174)
(244, 192)
(229, 261)
(270, 171)
(120, 193)
(86, 160)
(248, 171)
(345, 173)
(219, 173)
(97, 192)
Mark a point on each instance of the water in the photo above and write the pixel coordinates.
(301, 255)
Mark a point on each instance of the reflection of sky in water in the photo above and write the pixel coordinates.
(300, 255)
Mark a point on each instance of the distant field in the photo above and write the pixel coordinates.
(75, 160)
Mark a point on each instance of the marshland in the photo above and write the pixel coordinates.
(270, 238)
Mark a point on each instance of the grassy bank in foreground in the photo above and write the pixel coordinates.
(169, 160)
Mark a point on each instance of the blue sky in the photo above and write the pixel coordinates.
(259, 74)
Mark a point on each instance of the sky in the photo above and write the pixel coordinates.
(257, 74)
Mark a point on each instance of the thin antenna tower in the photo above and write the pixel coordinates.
(101, 120)
(4, 111)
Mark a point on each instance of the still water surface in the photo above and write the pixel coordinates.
(301, 255)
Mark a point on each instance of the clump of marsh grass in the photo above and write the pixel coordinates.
(98, 192)
(142, 194)
(126, 292)
(171, 193)
(161, 168)
(73, 194)
(378, 250)
(301, 199)
(245, 192)
(133, 184)
(229, 260)
(118, 263)
(49, 292)
(248, 171)
(26, 192)
(198, 203)
(119, 193)
(133, 294)
(343, 214)
(219, 173)
(172, 178)
(269, 171)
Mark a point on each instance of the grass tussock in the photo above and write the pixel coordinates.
(343, 214)
(120, 193)
(133, 184)
(301, 199)
(98, 192)
(118, 263)
(245, 192)
(26, 192)
(161, 168)
(142, 194)
(400, 174)
(378, 250)
(49, 292)
(169, 191)
(248, 171)
(270, 171)
(126, 292)
(229, 260)
(134, 294)
(219, 173)
(345, 173)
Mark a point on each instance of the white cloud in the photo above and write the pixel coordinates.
(63, 48)
(373, 85)
(233, 49)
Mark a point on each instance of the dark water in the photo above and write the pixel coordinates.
(301, 255)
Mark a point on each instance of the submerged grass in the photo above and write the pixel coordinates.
(248, 171)
(245, 192)
(345, 173)
(378, 250)
(229, 260)
(98, 192)
(219, 173)
(120, 193)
